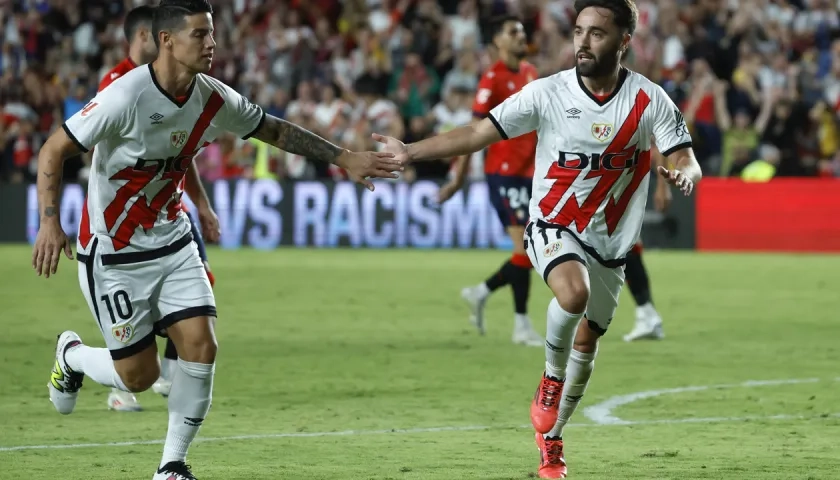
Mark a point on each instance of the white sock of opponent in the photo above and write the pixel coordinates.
(96, 363)
(578, 372)
(189, 402)
(168, 368)
(561, 327)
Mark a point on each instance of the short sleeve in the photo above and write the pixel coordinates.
(239, 116)
(669, 129)
(103, 117)
(518, 114)
(483, 96)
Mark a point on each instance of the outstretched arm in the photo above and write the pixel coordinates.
(460, 141)
(295, 139)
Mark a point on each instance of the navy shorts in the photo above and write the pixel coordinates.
(199, 241)
(510, 197)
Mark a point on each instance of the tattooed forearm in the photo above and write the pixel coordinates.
(294, 139)
(49, 184)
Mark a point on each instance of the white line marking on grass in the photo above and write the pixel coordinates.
(601, 413)
(606, 419)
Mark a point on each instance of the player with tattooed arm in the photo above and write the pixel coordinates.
(139, 269)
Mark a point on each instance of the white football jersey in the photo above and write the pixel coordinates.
(145, 141)
(593, 157)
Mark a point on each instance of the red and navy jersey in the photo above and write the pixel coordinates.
(121, 69)
(514, 157)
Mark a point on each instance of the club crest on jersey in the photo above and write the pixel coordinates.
(178, 139)
(123, 333)
(553, 249)
(602, 131)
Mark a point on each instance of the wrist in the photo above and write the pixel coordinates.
(50, 217)
(341, 159)
(411, 151)
(692, 172)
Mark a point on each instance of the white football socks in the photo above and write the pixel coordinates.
(189, 402)
(578, 373)
(96, 363)
(561, 327)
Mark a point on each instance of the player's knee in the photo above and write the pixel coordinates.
(199, 349)
(139, 377)
(572, 294)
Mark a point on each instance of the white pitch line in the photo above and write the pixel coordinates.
(403, 431)
(601, 413)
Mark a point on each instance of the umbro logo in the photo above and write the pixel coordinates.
(156, 119)
(193, 422)
(573, 113)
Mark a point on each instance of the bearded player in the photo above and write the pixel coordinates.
(508, 168)
(596, 125)
(139, 269)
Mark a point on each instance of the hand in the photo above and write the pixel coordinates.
(210, 228)
(662, 196)
(49, 243)
(394, 146)
(678, 178)
(362, 165)
(448, 190)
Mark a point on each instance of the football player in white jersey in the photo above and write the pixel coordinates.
(139, 269)
(595, 124)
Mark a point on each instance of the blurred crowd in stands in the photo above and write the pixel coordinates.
(758, 81)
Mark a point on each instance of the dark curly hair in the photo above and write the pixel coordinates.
(625, 13)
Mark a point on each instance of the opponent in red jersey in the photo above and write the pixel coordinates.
(141, 44)
(648, 324)
(142, 50)
(508, 168)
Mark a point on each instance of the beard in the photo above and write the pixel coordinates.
(596, 66)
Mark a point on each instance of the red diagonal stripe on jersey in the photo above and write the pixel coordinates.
(84, 226)
(613, 211)
(211, 108)
(581, 215)
(140, 213)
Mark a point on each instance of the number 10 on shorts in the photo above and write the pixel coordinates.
(120, 305)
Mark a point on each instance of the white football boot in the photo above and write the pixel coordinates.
(162, 386)
(476, 298)
(123, 401)
(648, 325)
(526, 335)
(64, 383)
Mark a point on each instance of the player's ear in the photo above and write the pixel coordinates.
(625, 42)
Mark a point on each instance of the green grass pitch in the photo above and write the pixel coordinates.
(376, 344)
